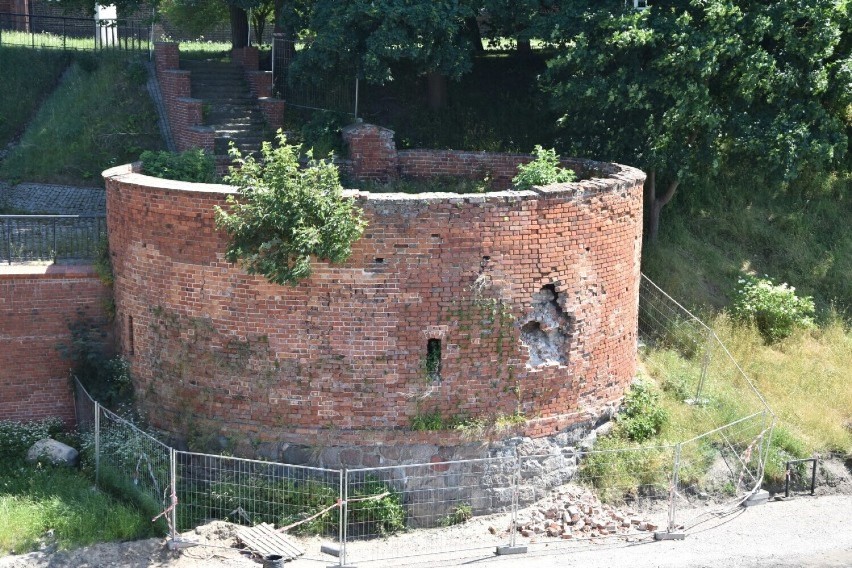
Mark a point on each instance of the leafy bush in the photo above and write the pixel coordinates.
(193, 165)
(543, 170)
(106, 378)
(775, 310)
(459, 514)
(642, 415)
(283, 214)
(17, 437)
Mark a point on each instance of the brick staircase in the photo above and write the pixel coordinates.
(228, 106)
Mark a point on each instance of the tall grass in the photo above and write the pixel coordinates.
(27, 75)
(37, 499)
(100, 116)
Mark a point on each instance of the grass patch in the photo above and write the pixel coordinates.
(38, 499)
(27, 75)
(99, 117)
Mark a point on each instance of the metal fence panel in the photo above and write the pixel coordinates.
(430, 497)
(297, 499)
(29, 238)
(60, 32)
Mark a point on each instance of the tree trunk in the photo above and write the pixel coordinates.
(284, 24)
(437, 83)
(239, 26)
(471, 30)
(656, 204)
(524, 47)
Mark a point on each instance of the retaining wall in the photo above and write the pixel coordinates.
(529, 297)
(37, 306)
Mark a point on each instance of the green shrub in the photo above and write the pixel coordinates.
(107, 379)
(642, 415)
(543, 170)
(459, 514)
(192, 166)
(284, 214)
(17, 437)
(775, 310)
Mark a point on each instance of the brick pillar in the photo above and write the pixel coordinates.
(166, 56)
(372, 152)
(246, 57)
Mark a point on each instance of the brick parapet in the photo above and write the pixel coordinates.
(273, 110)
(341, 355)
(37, 306)
(260, 83)
(246, 57)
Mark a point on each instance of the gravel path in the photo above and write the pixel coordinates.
(802, 531)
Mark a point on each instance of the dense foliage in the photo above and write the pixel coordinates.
(642, 416)
(192, 165)
(284, 214)
(776, 310)
(678, 87)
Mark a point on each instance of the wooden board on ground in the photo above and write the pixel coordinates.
(264, 540)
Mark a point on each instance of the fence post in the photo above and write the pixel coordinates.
(673, 491)
(55, 249)
(172, 497)
(97, 442)
(344, 513)
(705, 364)
(8, 232)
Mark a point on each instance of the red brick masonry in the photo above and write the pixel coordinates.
(341, 358)
(37, 304)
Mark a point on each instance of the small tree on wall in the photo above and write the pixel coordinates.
(283, 214)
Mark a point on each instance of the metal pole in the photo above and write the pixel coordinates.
(673, 492)
(344, 514)
(705, 363)
(356, 97)
(173, 475)
(55, 249)
(813, 477)
(516, 481)
(9, 240)
(97, 442)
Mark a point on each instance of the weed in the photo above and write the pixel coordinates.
(459, 514)
(544, 170)
(641, 415)
(776, 310)
(192, 165)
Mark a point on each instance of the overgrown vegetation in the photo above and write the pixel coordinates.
(641, 416)
(285, 215)
(106, 377)
(194, 165)
(99, 117)
(43, 505)
(775, 310)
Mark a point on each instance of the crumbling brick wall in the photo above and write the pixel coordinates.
(530, 298)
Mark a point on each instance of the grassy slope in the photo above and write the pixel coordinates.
(799, 235)
(100, 116)
(27, 75)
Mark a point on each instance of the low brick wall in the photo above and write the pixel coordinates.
(37, 305)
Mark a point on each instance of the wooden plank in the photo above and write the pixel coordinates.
(264, 540)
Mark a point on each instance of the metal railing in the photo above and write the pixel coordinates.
(571, 494)
(33, 238)
(332, 92)
(60, 32)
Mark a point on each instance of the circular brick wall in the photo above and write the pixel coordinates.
(479, 306)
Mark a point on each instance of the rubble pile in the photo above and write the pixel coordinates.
(575, 513)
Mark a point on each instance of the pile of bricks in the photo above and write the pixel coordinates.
(577, 513)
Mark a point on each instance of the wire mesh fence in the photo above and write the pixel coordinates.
(573, 494)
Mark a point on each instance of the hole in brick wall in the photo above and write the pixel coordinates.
(547, 331)
(378, 260)
(433, 360)
(130, 346)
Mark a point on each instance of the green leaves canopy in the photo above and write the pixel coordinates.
(370, 35)
(283, 214)
(679, 86)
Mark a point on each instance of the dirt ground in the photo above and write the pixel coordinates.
(799, 531)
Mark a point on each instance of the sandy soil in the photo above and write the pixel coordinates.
(799, 531)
